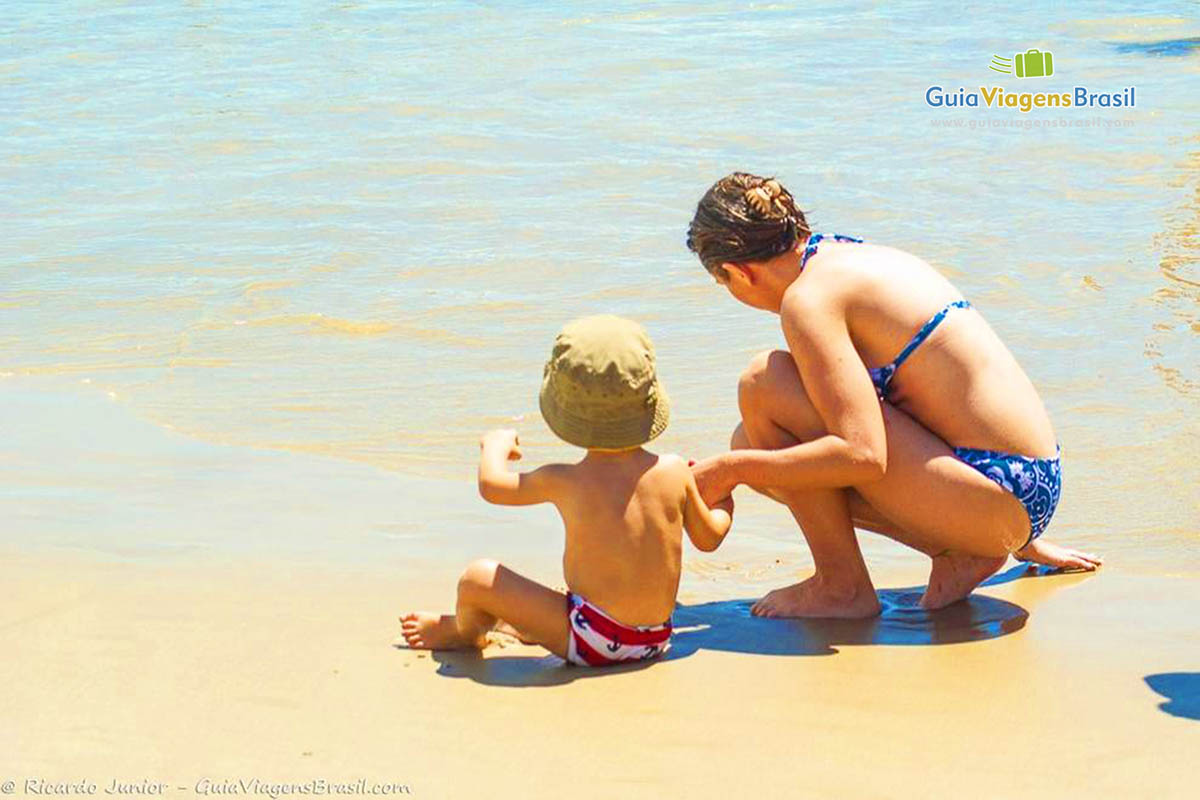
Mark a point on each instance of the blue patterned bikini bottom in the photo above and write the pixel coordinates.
(1036, 482)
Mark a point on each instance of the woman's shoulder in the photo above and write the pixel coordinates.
(867, 267)
(827, 282)
(871, 287)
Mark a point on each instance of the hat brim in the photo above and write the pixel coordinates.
(607, 433)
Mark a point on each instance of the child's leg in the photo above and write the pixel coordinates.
(487, 593)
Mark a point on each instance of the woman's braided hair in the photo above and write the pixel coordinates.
(742, 218)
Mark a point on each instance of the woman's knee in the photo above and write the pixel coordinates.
(478, 577)
(771, 390)
(763, 377)
(738, 440)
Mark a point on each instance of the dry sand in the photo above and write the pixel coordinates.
(182, 673)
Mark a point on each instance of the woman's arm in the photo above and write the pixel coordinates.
(854, 449)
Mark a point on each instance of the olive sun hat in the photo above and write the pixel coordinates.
(600, 389)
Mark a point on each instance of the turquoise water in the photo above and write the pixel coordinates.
(353, 230)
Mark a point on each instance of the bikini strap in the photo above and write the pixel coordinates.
(817, 238)
(927, 329)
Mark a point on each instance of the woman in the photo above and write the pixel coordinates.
(896, 409)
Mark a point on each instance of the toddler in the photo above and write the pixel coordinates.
(624, 509)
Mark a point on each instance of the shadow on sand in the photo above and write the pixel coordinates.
(1182, 690)
(728, 625)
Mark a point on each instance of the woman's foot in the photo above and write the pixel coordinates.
(424, 630)
(816, 597)
(955, 575)
(1040, 551)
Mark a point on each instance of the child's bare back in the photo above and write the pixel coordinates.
(623, 514)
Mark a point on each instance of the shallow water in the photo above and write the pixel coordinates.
(353, 231)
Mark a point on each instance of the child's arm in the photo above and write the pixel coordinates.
(498, 485)
(705, 526)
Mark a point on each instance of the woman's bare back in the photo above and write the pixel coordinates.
(961, 383)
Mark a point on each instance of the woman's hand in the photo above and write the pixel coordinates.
(715, 479)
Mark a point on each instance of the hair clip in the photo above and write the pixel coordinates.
(766, 198)
(759, 199)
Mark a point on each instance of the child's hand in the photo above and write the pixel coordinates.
(505, 440)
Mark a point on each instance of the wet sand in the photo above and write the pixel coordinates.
(1036, 688)
(181, 611)
(186, 612)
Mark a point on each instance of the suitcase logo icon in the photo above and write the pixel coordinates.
(1032, 63)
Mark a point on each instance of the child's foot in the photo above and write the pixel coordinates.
(424, 630)
(1040, 551)
(955, 575)
(815, 597)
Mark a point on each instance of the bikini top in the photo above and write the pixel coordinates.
(882, 376)
(816, 238)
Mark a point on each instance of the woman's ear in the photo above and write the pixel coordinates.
(739, 273)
